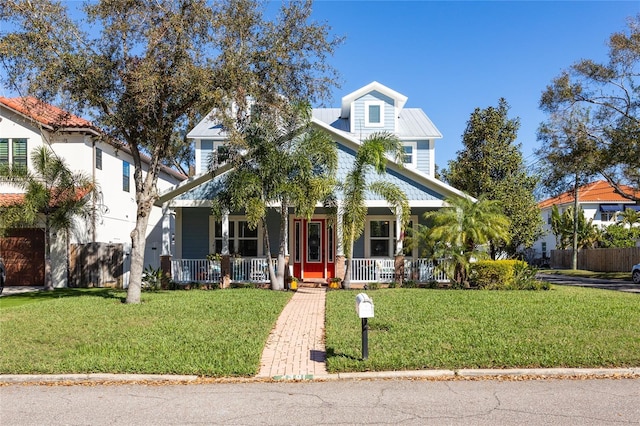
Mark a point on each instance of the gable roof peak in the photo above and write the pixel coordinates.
(373, 86)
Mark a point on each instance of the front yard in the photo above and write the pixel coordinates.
(222, 332)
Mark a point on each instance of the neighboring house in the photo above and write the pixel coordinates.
(25, 124)
(599, 202)
(314, 245)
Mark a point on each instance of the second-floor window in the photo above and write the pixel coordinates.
(98, 159)
(125, 176)
(410, 154)
(14, 152)
(374, 114)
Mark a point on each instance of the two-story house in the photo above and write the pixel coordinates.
(315, 251)
(599, 202)
(25, 124)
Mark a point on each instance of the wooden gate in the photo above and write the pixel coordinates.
(23, 253)
(96, 265)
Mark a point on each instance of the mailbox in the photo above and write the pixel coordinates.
(364, 306)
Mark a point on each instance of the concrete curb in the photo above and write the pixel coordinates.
(523, 373)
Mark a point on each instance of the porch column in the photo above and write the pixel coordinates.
(225, 263)
(165, 256)
(399, 255)
(339, 258)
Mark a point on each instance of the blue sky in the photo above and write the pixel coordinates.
(449, 57)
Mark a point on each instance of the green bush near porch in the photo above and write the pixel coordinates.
(453, 329)
(210, 333)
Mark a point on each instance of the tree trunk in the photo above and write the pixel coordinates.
(138, 243)
(346, 283)
(48, 280)
(282, 249)
(574, 245)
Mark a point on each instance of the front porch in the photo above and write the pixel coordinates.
(255, 270)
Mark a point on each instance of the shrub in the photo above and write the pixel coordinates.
(493, 274)
(505, 275)
(372, 286)
(151, 279)
(409, 284)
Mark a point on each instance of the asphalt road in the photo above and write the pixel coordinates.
(618, 285)
(407, 402)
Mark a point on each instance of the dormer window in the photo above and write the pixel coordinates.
(374, 114)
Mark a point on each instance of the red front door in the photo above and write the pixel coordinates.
(313, 249)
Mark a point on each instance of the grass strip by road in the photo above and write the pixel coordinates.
(433, 329)
(209, 333)
(582, 273)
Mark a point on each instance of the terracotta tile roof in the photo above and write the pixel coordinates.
(13, 199)
(595, 192)
(56, 118)
(45, 114)
(7, 200)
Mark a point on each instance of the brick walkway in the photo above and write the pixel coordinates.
(295, 348)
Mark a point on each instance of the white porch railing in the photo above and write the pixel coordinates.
(423, 270)
(383, 270)
(255, 270)
(247, 269)
(186, 271)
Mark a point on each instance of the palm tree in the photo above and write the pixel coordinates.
(53, 197)
(371, 156)
(460, 230)
(630, 217)
(282, 163)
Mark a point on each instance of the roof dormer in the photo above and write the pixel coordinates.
(372, 108)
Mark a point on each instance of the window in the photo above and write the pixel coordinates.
(381, 237)
(374, 114)
(379, 242)
(125, 176)
(242, 240)
(298, 241)
(20, 154)
(247, 243)
(410, 158)
(314, 242)
(14, 152)
(608, 216)
(4, 152)
(98, 159)
(544, 250)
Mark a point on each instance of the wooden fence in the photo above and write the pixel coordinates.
(598, 260)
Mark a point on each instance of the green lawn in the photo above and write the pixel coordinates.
(222, 332)
(210, 333)
(431, 329)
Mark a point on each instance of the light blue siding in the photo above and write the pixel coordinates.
(413, 190)
(423, 157)
(206, 148)
(195, 233)
(359, 116)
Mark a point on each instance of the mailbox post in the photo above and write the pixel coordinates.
(364, 308)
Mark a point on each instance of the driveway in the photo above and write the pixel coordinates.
(619, 285)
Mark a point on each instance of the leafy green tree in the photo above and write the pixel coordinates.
(567, 159)
(148, 71)
(290, 166)
(605, 97)
(371, 157)
(491, 163)
(460, 230)
(618, 236)
(54, 197)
